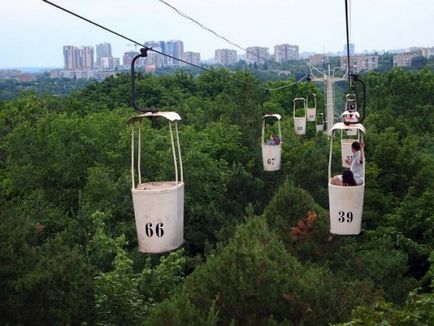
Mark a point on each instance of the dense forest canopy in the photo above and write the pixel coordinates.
(258, 248)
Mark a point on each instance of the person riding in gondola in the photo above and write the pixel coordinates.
(357, 165)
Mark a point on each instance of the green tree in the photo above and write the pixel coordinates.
(419, 62)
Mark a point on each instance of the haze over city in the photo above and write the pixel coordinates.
(34, 32)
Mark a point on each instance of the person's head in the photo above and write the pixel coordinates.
(348, 178)
(355, 146)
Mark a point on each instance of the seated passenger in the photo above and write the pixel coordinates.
(357, 166)
(348, 178)
(274, 140)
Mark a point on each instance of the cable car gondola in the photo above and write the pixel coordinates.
(319, 122)
(345, 202)
(311, 110)
(158, 206)
(299, 122)
(271, 150)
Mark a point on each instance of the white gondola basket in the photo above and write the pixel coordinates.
(299, 122)
(346, 209)
(271, 154)
(158, 206)
(159, 216)
(311, 111)
(345, 202)
(300, 125)
(319, 122)
(311, 114)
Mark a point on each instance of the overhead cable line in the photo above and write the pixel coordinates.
(307, 76)
(210, 30)
(151, 49)
(347, 28)
(349, 18)
(165, 54)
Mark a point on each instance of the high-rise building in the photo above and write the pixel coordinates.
(174, 48)
(403, 59)
(85, 57)
(286, 52)
(361, 62)
(225, 57)
(109, 63)
(156, 45)
(128, 58)
(352, 49)
(427, 52)
(78, 57)
(69, 57)
(192, 57)
(256, 54)
(154, 58)
(102, 50)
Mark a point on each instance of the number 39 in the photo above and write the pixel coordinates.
(348, 219)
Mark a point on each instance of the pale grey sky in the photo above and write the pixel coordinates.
(33, 32)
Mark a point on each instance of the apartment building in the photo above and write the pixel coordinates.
(286, 52)
(103, 50)
(225, 57)
(109, 63)
(153, 58)
(361, 62)
(78, 57)
(427, 52)
(174, 48)
(256, 54)
(192, 57)
(403, 59)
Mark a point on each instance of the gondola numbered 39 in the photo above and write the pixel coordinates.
(158, 206)
(345, 202)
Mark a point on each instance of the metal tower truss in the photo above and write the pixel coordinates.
(328, 77)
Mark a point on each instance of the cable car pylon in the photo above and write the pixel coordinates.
(329, 78)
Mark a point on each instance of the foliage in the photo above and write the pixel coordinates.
(44, 282)
(417, 310)
(254, 279)
(10, 88)
(258, 249)
(123, 296)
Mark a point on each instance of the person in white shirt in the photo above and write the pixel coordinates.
(357, 165)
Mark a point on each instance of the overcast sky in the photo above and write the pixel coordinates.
(32, 33)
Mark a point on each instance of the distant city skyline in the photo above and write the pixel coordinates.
(105, 60)
(34, 32)
(80, 63)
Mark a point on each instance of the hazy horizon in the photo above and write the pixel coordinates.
(35, 31)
